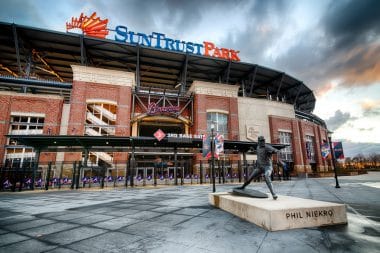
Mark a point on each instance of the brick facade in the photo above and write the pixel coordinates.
(92, 84)
(299, 130)
(117, 89)
(49, 105)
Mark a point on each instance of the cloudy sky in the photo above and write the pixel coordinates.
(332, 46)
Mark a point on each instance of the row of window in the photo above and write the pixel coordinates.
(17, 155)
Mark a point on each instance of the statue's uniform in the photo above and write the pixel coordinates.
(263, 165)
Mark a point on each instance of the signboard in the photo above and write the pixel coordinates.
(159, 134)
(153, 108)
(252, 132)
(338, 150)
(95, 27)
(182, 138)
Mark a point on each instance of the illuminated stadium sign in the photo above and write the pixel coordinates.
(153, 108)
(90, 26)
(96, 27)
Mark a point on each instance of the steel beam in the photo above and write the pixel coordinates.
(184, 74)
(138, 67)
(49, 68)
(83, 56)
(228, 70)
(15, 38)
(8, 70)
(279, 86)
(252, 83)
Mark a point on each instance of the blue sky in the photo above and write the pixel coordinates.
(332, 46)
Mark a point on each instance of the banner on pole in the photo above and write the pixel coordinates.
(338, 150)
(219, 145)
(206, 149)
(325, 150)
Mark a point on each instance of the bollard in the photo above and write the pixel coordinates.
(73, 178)
(47, 180)
(200, 172)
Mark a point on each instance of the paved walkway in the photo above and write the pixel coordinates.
(179, 219)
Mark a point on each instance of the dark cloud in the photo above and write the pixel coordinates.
(352, 22)
(263, 27)
(343, 46)
(168, 16)
(10, 12)
(338, 120)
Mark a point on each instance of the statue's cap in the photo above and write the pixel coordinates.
(261, 138)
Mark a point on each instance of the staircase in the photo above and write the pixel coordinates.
(110, 130)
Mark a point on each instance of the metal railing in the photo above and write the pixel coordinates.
(73, 175)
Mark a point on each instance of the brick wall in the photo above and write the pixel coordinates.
(49, 105)
(299, 129)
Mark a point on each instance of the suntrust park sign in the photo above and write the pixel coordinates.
(95, 27)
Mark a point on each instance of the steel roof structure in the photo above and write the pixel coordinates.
(30, 56)
(118, 143)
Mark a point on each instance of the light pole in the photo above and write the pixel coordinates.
(212, 157)
(329, 134)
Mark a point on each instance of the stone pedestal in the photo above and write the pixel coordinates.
(281, 214)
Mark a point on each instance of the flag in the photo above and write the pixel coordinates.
(206, 149)
(308, 150)
(338, 150)
(325, 150)
(219, 144)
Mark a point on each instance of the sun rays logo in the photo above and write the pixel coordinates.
(91, 26)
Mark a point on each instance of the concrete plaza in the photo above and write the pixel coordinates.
(180, 219)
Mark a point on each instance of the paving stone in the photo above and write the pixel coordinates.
(152, 245)
(166, 209)
(110, 242)
(185, 221)
(11, 238)
(61, 250)
(10, 220)
(170, 219)
(116, 223)
(72, 235)
(28, 246)
(29, 224)
(144, 207)
(144, 215)
(48, 229)
(147, 229)
(191, 211)
(91, 219)
(70, 216)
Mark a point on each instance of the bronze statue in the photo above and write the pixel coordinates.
(263, 164)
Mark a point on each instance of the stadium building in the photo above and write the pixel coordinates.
(83, 96)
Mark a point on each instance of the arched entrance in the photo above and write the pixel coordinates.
(150, 124)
